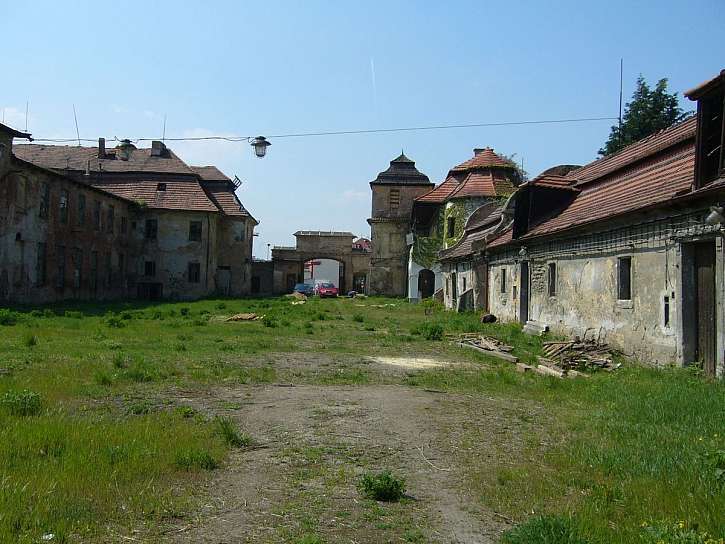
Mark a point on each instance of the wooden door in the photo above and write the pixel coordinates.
(524, 293)
(705, 305)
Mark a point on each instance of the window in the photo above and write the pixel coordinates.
(60, 264)
(552, 279)
(194, 272)
(41, 265)
(624, 284)
(152, 227)
(394, 198)
(451, 227)
(110, 219)
(161, 187)
(666, 311)
(77, 267)
(149, 269)
(44, 201)
(124, 225)
(463, 290)
(94, 270)
(81, 219)
(710, 156)
(63, 206)
(109, 271)
(194, 231)
(96, 215)
(503, 280)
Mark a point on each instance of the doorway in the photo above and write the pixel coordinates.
(699, 316)
(426, 283)
(524, 293)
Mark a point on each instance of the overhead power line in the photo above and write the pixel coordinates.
(350, 132)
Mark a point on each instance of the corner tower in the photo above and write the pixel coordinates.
(393, 194)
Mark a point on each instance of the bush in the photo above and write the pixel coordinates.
(185, 411)
(231, 434)
(382, 486)
(544, 530)
(23, 403)
(269, 321)
(193, 459)
(115, 322)
(681, 532)
(8, 317)
(429, 331)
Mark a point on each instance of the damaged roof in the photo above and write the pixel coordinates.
(176, 195)
(478, 227)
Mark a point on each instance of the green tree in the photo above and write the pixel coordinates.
(649, 111)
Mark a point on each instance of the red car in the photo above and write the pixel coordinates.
(327, 289)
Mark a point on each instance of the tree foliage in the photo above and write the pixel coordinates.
(649, 111)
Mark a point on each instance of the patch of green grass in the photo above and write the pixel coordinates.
(231, 434)
(195, 459)
(382, 486)
(544, 530)
(21, 403)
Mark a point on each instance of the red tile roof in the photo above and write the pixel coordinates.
(501, 239)
(484, 158)
(635, 152)
(225, 199)
(66, 157)
(439, 194)
(697, 92)
(210, 173)
(178, 195)
(553, 182)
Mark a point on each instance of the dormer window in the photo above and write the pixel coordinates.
(710, 159)
(161, 187)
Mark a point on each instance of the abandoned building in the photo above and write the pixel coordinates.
(288, 263)
(627, 250)
(98, 223)
(440, 216)
(393, 193)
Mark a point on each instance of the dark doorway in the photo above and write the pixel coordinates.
(524, 293)
(704, 263)
(426, 283)
(454, 288)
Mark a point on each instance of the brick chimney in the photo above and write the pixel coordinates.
(480, 150)
(101, 148)
(158, 149)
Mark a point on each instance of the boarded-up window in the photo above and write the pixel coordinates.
(624, 284)
(394, 198)
(63, 206)
(194, 231)
(41, 265)
(552, 279)
(194, 272)
(81, 219)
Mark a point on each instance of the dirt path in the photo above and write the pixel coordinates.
(315, 441)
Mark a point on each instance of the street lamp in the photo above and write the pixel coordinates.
(260, 145)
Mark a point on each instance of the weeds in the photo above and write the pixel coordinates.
(30, 340)
(544, 530)
(195, 459)
(8, 317)
(382, 486)
(21, 403)
(232, 436)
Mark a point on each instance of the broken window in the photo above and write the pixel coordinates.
(44, 201)
(110, 219)
(81, 219)
(503, 280)
(60, 264)
(451, 228)
(711, 159)
(63, 206)
(195, 231)
(149, 269)
(41, 265)
(624, 284)
(194, 272)
(394, 198)
(152, 227)
(97, 215)
(552, 279)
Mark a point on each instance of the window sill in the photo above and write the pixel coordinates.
(625, 304)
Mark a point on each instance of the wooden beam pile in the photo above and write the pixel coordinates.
(578, 356)
(486, 345)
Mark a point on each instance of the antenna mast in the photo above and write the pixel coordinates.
(75, 118)
(621, 72)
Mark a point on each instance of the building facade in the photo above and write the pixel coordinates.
(97, 223)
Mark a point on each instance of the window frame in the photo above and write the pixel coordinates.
(196, 277)
(624, 288)
(81, 208)
(63, 200)
(151, 229)
(502, 279)
(149, 265)
(552, 279)
(197, 236)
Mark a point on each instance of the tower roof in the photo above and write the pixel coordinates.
(484, 158)
(402, 171)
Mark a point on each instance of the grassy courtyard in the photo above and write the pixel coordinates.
(164, 423)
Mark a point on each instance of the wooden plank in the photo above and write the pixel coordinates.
(546, 371)
(498, 354)
(521, 367)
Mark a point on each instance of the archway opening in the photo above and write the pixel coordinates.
(324, 270)
(426, 283)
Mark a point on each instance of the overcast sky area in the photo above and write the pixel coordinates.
(243, 69)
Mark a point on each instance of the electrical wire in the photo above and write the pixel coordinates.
(347, 132)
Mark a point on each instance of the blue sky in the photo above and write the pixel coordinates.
(243, 68)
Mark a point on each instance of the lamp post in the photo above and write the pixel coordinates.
(260, 145)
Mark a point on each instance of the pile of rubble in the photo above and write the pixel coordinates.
(485, 344)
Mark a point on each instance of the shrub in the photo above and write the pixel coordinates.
(231, 434)
(358, 318)
(544, 530)
(382, 486)
(194, 459)
(185, 411)
(269, 321)
(22, 403)
(8, 317)
(115, 322)
(429, 331)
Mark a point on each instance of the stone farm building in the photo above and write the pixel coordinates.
(99, 223)
(627, 249)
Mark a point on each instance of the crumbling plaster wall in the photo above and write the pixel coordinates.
(234, 249)
(388, 270)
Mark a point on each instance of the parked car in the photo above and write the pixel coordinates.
(327, 289)
(304, 288)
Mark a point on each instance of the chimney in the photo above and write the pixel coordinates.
(158, 149)
(101, 148)
(480, 150)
